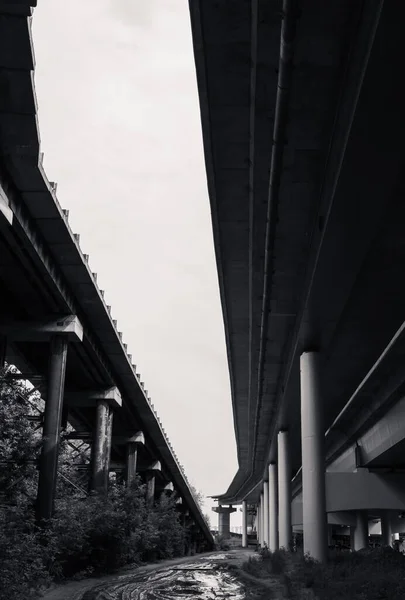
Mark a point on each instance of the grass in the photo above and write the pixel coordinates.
(366, 575)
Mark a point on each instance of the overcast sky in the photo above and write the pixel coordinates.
(120, 129)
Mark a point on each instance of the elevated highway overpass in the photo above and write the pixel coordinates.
(303, 128)
(54, 322)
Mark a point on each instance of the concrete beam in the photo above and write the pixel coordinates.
(44, 330)
(80, 435)
(117, 466)
(5, 211)
(155, 466)
(90, 398)
(121, 440)
(364, 491)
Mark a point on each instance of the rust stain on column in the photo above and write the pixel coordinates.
(98, 463)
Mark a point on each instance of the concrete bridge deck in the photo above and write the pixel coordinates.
(303, 133)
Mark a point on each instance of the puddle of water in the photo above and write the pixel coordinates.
(201, 580)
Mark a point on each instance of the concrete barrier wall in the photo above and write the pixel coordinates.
(386, 433)
(348, 492)
(364, 490)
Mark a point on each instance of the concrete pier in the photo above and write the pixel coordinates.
(224, 513)
(313, 459)
(132, 444)
(244, 524)
(273, 507)
(258, 524)
(386, 530)
(99, 468)
(262, 519)
(51, 430)
(130, 465)
(150, 489)
(361, 530)
(109, 433)
(284, 491)
(266, 513)
(150, 476)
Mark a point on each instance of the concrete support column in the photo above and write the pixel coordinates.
(184, 525)
(386, 530)
(330, 534)
(51, 430)
(266, 513)
(224, 524)
(313, 459)
(361, 530)
(130, 466)
(262, 519)
(258, 522)
(273, 507)
(352, 529)
(224, 513)
(109, 441)
(99, 466)
(244, 525)
(284, 491)
(150, 489)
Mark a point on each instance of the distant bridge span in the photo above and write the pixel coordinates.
(53, 312)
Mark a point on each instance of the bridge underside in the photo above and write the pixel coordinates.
(305, 163)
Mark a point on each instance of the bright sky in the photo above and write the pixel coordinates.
(120, 129)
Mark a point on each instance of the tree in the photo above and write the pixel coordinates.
(88, 533)
(19, 443)
(200, 498)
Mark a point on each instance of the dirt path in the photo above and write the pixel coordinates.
(196, 576)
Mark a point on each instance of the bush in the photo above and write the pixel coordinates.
(23, 554)
(366, 575)
(87, 534)
(268, 564)
(19, 445)
(222, 543)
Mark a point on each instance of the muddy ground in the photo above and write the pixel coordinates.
(211, 576)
